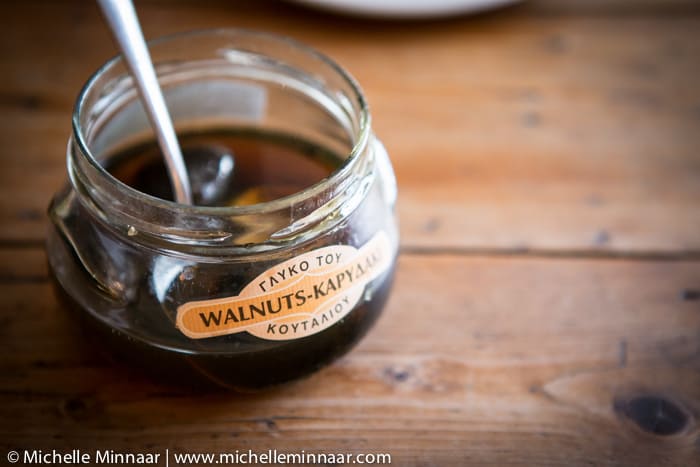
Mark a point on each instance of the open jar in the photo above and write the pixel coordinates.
(280, 281)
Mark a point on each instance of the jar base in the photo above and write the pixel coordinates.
(241, 372)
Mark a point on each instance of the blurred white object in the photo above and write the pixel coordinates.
(406, 9)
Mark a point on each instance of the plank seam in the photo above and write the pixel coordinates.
(649, 255)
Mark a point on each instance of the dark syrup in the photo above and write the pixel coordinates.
(263, 167)
(266, 167)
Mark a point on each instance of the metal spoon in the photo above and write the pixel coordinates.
(211, 168)
(124, 23)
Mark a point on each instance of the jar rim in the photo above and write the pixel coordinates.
(360, 139)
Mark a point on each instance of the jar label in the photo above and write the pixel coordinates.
(296, 298)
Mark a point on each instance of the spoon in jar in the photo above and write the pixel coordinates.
(122, 20)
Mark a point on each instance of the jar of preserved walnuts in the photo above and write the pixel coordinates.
(287, 260)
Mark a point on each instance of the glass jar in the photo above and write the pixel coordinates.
(242, 296)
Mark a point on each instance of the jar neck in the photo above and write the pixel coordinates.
(275, 83)
(266, 226)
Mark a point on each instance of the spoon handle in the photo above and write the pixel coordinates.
(122, 20)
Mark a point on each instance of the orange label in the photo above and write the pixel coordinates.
(296, 298)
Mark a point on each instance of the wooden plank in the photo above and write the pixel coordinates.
(519, 361)
(23, 265)
(550, 133)
(612, 7)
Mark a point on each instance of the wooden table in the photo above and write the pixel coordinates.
(547, 304)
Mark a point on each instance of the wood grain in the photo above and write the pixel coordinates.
(544, 132)
(538, 381)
